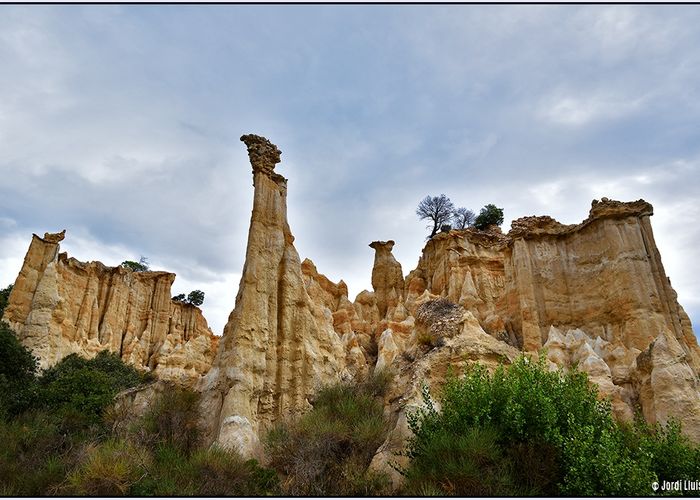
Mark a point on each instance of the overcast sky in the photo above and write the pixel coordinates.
(121, 124)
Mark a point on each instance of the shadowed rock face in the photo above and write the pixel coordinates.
(61, 306)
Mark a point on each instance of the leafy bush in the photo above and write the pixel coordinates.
(4, 297)
(195, 298)
(207, 472)
(34, 456)
(489, 215)
(327, 451)
(172, 420)
(77, 390)
(219, 472)
(526, 430)
(111, 468)
(139, 267)
(17, 374)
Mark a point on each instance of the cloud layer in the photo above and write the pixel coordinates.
(121, 124)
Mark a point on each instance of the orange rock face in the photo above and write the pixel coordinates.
(60, 306)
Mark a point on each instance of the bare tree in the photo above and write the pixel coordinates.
(437, 209)
(463, 218)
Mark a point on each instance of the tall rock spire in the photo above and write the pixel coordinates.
(274, 351)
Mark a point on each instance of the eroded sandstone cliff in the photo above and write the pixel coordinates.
(278, 345)
(60, 306)
(594, 295)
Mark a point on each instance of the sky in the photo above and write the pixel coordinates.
(121, 124)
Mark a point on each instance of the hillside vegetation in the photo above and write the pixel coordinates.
(522, 430)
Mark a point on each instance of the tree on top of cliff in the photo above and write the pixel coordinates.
(140, 266)
(463, 218)
(195, 297)
(438, 209)
(489, 215)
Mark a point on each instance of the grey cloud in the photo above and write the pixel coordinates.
(122, 123)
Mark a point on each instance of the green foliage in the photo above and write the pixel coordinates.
(195, 297)
(111, 468)
(672, 456)
(170, 432)
(219, 472)
(34, 456)
(17, 374)
(4, 297)
(16, 362)
(77, 390)
(526, 430)
(140, 266)
(207, 472)
(488, 215)
(172, 420)
(327, 450)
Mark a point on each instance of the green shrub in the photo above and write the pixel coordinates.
(670, 454)
(34, 455)
(327, 450)
(139, 267)
(173, 420)
(220, 472)
(77, 390)
(489, 215)
(111, 468)
(526, 430)
(17, 374)
(206, 472)
(4, 298)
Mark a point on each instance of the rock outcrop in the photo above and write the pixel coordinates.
(592, 296)
(668, 386)
(278, 346)
(387, 277)
(60, 306)
(601, 281)
(603, 276)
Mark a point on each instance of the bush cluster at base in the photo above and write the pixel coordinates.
(327, 450)
(521, 430)
(524, 430)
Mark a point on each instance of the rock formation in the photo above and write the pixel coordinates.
(278, 345)
(387, 277)
(60, 306)
(592, 296)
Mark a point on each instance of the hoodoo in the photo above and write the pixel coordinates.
(277, 346)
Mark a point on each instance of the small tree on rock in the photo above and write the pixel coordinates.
(195, 297)
(489, 215)
(463, 218)
(140, 266)
(437, 209)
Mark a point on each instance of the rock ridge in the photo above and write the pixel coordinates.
(60, 305)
